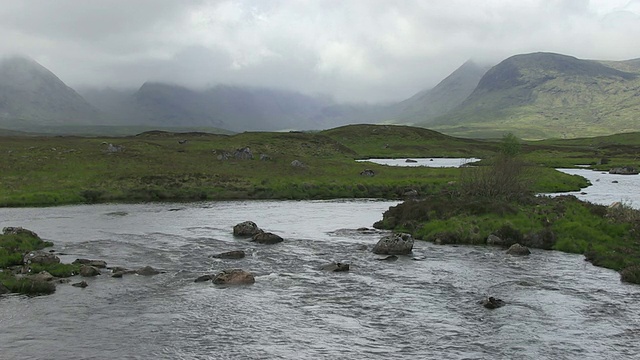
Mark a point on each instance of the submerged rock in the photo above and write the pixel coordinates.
(266, 238)
(492, 303)
(204, 278)
(394, 244)
(246, 229)
(147, 271)
(82, 284)
(336, 267)
(235, 254)
(518, 250)
(234, 277)
(388, 258)
(95, 263)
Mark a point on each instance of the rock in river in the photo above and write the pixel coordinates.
(266, 238)
(88, 271)
(394, 244)
(235, 254)
(518, 250)
(336, 267)
(40, 257)
(234, 277)
(246, 229)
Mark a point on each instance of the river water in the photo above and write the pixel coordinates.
(423, 306)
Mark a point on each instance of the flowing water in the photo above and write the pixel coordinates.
(423, 306)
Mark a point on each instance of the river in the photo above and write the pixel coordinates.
(420, 307)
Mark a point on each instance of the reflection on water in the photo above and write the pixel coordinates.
(558, 305)
(427, 162)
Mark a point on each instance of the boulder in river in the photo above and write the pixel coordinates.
(88, 271)
(246, 229)
(234, 277)
(82, 284)
(336, 267)
(235, 254)
(266, 238)
(40, 257)
(492, 303)
(518, 250)
(625, 170)
(147, 271)
(394, 244)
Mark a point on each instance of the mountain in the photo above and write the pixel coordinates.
(237, 108)
(444, 97)
(31, 95)
(549, 95)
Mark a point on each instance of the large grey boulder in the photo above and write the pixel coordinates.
(234, 277)
(266, 238)
(246, 229)
(394, 244)
(243, 154)
(40, 257)
(42, 276)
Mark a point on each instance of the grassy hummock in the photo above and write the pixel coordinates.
(13, 247)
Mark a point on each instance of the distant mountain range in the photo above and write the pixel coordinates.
(535, 95)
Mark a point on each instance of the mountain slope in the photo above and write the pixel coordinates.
(31, 95)
(549, 95)
(444, 97)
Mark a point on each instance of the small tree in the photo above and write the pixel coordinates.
(504, 178)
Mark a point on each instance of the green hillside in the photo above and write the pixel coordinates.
(545, 95)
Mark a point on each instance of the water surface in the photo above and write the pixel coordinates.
(419, 307)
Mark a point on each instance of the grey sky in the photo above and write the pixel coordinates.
(354, 50)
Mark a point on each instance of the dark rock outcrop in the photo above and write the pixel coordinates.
(88, 271)
(518, 250)
(367, 172)
(3, 289)
(235, 254)
(394, 244)
(266, 238)
(495, 240)
(492, 303)
(234, 277)
(246, 229)
(243, 154)
(336, 267)
(40, 257)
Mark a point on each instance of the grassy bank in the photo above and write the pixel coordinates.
(159, 166)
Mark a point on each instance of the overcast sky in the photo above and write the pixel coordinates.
(354, 50)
